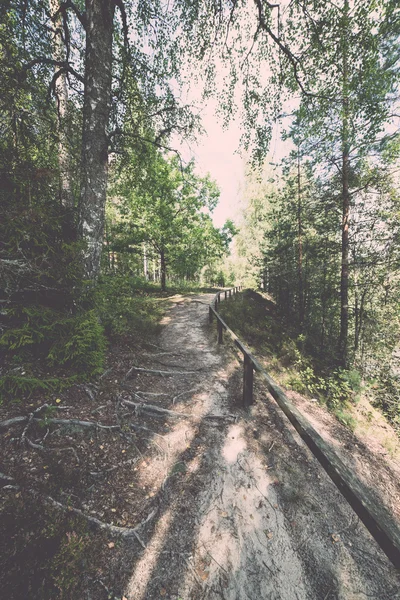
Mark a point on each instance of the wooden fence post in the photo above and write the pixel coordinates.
(225, 294)
(247, 381)
(219, 327)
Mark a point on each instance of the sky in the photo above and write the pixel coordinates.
(216, 153)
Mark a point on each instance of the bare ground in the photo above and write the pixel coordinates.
(232, 505)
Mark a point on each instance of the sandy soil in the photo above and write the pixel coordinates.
(260, 519)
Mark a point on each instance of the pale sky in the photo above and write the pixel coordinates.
(217, 153)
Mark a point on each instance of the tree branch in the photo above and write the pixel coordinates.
(55, 63)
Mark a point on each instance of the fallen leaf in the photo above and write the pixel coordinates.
(123, 451)
(111, 545)
(268, 534)
(113, 510)
(163, 592)
(251, 517)
(202, 574)
(58, 400)
(335, 537)
(224, 514)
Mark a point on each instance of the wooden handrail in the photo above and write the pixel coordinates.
(375, 517)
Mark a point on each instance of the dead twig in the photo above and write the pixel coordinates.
(214, 559)
(30, 419)
(89, 392)
(155, 394)
(106, 372)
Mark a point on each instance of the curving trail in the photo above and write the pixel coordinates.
(247, 512)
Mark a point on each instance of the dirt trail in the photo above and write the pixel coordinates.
(247, 513)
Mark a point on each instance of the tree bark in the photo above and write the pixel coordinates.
(300, 244)
(163, 269)
(344, 276)
(96, 110)
(145, 261)
(61, 92)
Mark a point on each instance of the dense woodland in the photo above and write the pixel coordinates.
(94, 195)
(103, 217)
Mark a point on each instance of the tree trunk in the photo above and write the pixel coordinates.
(344, 277)
(300, 244)
(61, 92)
(145, 261)
(96, 110)
(359, 313)
(163, 269)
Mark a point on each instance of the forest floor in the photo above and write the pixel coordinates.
(206, 501)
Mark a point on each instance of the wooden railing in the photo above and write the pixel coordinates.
(375, 517)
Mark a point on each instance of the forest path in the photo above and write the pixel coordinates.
(247, 513)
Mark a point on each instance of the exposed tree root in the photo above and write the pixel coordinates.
(156, 411)
(157, 372)
(124, 532)
(75, 422)
(44, 449)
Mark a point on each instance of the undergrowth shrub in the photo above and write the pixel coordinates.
(124, 308)
(386, 395)
(44, 324)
